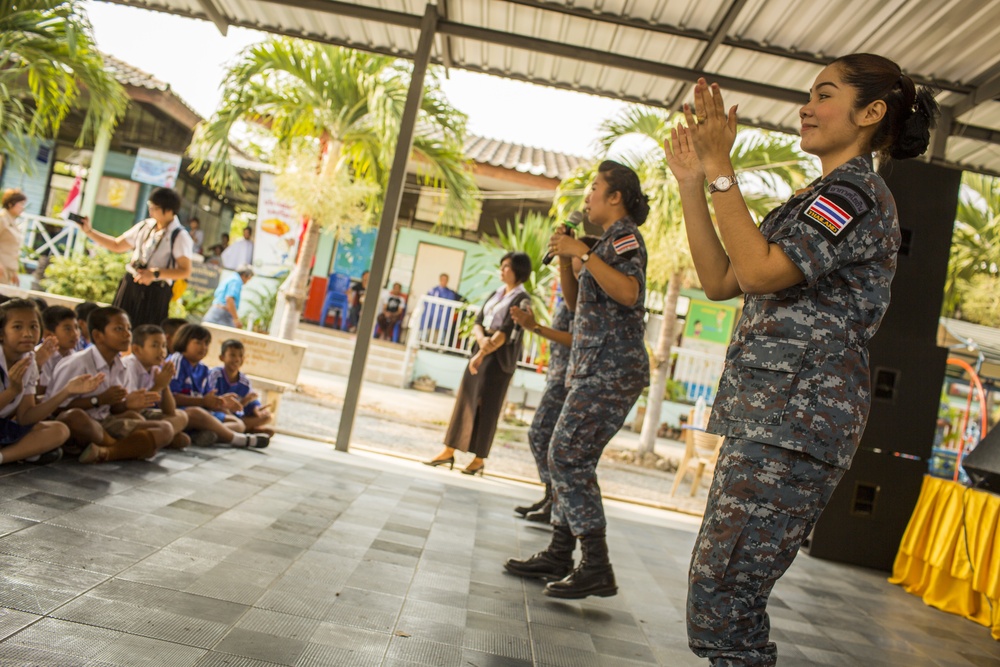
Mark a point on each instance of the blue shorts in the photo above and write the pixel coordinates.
(11, 432)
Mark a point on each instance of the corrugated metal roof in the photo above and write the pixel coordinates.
(525, 159)
(765, 53)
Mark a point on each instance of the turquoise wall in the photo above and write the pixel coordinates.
(32, 176)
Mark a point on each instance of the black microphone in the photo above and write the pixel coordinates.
(575, 220)
(515, 335)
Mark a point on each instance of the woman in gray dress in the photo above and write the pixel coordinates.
(494, 358)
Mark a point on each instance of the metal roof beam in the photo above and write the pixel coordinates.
(985, 92)
(615, 19)
(614, 60)
(351, 10)
(215, 16)
(713, 45)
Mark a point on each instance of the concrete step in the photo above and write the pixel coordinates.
(331, 351)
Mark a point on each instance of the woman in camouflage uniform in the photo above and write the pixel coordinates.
(795, 394)
(608, 369)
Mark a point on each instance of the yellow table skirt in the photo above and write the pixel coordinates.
(933, 563)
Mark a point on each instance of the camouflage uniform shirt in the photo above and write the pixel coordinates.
(796, 373)
(562, 320)
(608, 346)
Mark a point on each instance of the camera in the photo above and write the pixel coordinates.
(76, 217)
(139, 266)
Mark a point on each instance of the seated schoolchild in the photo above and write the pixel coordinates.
(83, 311)
(106, 421)
(207, 411)
(23, 434)
(146, 369)
(170, 327)
(61, 332)
(228, 380)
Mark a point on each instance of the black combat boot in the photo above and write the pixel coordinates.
(593, 576)
(553, 563)
(525, 510)
(543, 515)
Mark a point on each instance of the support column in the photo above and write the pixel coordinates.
(390, 211)
(102, 145)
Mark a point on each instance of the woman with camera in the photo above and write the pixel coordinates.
(161, 253)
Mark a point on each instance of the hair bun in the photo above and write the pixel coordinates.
(915, 134)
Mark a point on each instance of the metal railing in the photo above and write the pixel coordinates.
(699, 372)
(41, 239)
(436, 325)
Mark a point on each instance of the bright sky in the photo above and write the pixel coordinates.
(192, 57)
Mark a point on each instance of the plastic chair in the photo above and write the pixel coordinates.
(336, 297)
(701, 452)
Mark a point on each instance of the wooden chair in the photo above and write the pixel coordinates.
(701, 451)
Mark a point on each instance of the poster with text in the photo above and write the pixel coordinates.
(276, 236)
(156, 167)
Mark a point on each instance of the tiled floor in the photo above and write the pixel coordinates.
(299, 555)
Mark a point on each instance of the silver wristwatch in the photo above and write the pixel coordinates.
(721, 184)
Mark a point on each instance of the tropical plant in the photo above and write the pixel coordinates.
(192, 304)
(88, 277)
(975, 244)
(770, 167)
(334, 114)
(981, 300)
(48, 58)
(261, 305)
(529, 235)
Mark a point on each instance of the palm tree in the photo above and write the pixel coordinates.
(975, 245)
(49, 65)
(770, 166)
(334, 115)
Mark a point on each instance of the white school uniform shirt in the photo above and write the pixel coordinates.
(45, 377)
(148, 248)
(28, 384)
(88, 362)
(136, 375)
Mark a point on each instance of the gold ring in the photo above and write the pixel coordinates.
(701, 119)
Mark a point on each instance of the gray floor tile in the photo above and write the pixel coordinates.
(249, 559)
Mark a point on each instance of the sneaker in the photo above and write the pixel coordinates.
(203, 438)
(258, 440)
(46, 458)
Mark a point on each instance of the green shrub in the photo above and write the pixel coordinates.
(88, 277)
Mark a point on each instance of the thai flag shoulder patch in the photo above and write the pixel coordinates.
(836, 209)
(625, 244)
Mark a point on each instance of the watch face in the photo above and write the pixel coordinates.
(722, 183)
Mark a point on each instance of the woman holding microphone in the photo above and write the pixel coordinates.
(795, 392)
(608, 369)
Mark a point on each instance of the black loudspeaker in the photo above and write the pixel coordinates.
(868, 513)
(867, 516)
(926, 200)
(983, 463)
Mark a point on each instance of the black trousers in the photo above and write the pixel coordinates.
(145, 304)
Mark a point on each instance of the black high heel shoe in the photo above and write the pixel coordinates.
(477, 471)
(450, 462)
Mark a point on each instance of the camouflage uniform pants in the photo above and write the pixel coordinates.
(544, 424)
(763, 502)
(589, 419)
